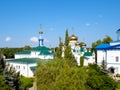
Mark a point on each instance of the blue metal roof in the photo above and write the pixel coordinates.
(103, 46)
(107, 46)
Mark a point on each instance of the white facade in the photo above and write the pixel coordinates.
(111, 58)
(23, 69)
(79, 49)
(110, 53)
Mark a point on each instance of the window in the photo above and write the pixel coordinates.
(117, 59)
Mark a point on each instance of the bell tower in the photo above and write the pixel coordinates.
(40, 39)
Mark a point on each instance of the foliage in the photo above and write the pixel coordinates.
(103, 65)
(107, 39)
(2, 83)
(68, 53)
(12, 78)
(98, 80)
(9, 52)
(66, 38)
(81, 61)
(59, 49)
(117, 75)
(118, 86)
(26, 82)
(27, 47)
(61, 74)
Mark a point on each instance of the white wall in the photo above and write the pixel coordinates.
(110, 57)
(24, 69)
(22, 56)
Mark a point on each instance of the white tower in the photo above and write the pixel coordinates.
(40, 37)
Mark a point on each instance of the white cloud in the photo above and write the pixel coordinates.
(34, 39)
(7, 39)
(87, 24)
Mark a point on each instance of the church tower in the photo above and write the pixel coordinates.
(40, 39)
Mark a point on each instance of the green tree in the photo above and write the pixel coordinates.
(68, 53)
(59, 49)
(107, 39)
(81, 61)
(12, 78)
(26, 82)
(99, 81)
(27, 47)
(66, 38)
(60, 75)
(2, 83)
(103, 65)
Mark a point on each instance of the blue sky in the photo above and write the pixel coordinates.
(91, 19)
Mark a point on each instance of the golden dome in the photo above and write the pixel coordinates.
(73, 37)
(82, 44)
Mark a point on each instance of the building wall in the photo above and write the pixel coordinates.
(24, 69)
(34, 56)
(112, 57)
(91, 59)
(22, 56)
(100, 56)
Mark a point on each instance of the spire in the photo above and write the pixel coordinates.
(40, 37)
(41, 32)
(72, 31)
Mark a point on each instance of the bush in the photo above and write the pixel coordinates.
(26, 82)
(81, 61)
(117, 75)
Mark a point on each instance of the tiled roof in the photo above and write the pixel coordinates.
(24, 60)
(82, 49)
(88, 53)
(40, 48)
(45, 53)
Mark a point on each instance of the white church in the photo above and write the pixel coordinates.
(25, 62)
(79, 49)
(110, 53)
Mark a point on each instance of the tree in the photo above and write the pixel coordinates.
(12, 78)
(26, 82)
(66, 38)
(107, 39)
(99, 81)
(26, 47)
(68, 53)
(59, 49)
(2, 83)
(81, 61)
(103, 65)
(60, 75)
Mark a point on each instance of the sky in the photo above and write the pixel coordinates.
(90, 20)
